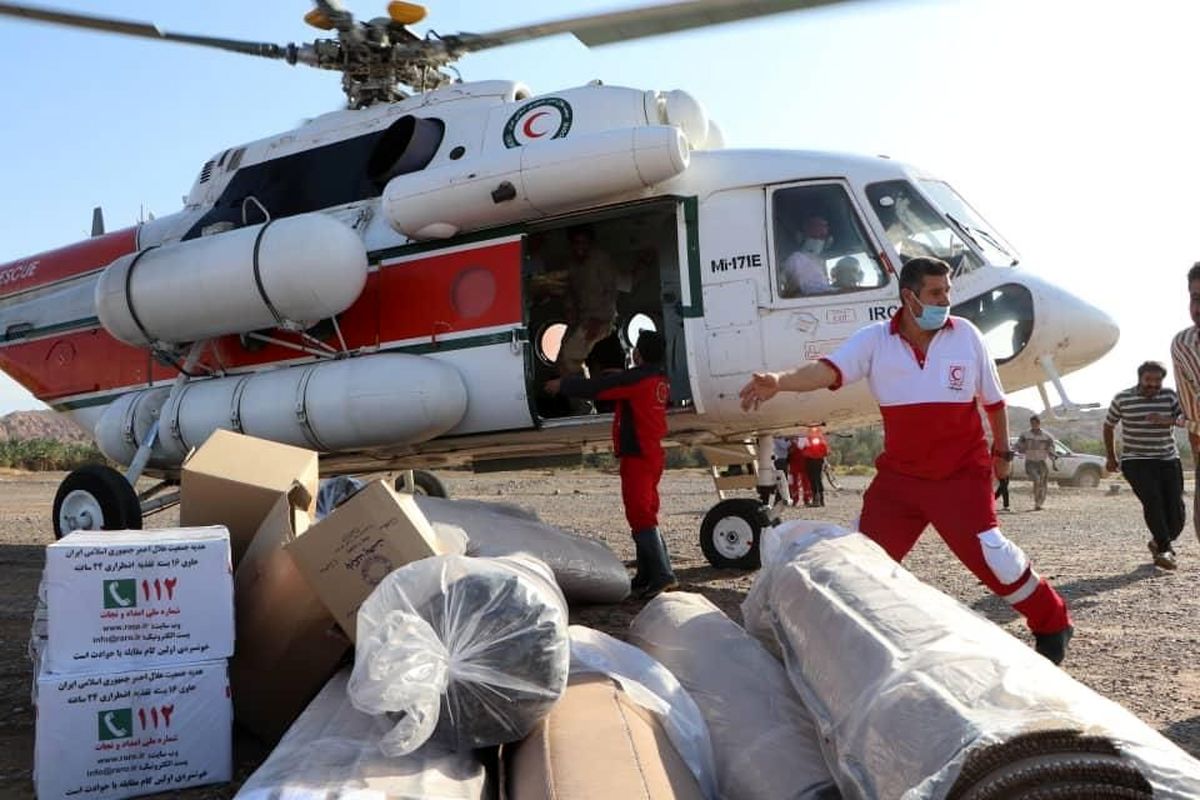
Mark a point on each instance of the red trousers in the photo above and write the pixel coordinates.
(798, 478)
(639, 489)
(896, 509)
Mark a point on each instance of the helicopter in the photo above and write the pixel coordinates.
(383, 284)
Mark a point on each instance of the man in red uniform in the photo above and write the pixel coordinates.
(929, 371)
(641, 395)
(815, 449)
(798, 482)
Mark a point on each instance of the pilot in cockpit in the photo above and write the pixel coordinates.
(803, 272)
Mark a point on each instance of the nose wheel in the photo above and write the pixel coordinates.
(93, 498)
(422, 482)
(730, 533)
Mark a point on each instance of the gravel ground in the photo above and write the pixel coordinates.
(1137, 637)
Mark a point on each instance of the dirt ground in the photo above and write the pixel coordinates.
(1137, 637)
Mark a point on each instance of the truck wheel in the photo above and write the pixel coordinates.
(1087, 477)
(729, 534)
(426, 483)
(93, 498)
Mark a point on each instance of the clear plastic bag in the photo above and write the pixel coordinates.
(470, 652)
(331, 752)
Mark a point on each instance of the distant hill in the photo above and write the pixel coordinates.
(23, 425)
(1085, 424)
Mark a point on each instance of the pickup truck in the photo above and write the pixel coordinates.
(1067, 467)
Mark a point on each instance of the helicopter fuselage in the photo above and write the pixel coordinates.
(461, 201)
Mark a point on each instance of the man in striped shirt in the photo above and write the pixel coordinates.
(1185, 353)
(1149, 459)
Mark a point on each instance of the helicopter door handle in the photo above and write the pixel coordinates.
(252, 199)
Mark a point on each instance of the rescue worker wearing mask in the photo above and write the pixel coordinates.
(803, 272)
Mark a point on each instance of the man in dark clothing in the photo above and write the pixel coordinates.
(639, 425)
(1147, 414)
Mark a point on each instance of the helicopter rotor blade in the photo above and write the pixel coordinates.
(619, 26)
(341, 19)
(144, 31)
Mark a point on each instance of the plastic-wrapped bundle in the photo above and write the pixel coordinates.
(469, 651)
(764, 740)
(918, 697)
(652, 686)
(331, 752)
(586, 570)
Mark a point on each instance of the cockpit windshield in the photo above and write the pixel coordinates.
(1004, 316)
(916, 229)
(986, 238)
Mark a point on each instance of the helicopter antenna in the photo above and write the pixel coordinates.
(380, 57)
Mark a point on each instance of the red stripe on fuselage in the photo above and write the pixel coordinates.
(451, 293)
(77, 363)
(75, 259)
(417, 300)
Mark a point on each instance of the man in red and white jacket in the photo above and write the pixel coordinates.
(929, 371)
(641, 395)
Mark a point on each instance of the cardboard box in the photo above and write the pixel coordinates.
(288, 645)
(234, 480)
(123, 734)
(597, 743)
(122, 600)
(347, 554)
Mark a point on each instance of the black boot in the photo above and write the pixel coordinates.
(659, 576)
(641, 578)
(1053, 645)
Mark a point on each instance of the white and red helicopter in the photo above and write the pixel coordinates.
(383, 284)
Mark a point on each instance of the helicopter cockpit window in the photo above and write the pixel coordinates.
(915, 229)
(993, 246)
(820, 246)
(1004, 316)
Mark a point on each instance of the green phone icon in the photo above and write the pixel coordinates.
(115, 724)
(120, 593)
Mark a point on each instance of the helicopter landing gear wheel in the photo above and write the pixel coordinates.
(93, 498)
(424, 482)
(729, 535)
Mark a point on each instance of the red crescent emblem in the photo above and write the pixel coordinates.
(527, 128)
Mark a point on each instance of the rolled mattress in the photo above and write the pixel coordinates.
(916, 696)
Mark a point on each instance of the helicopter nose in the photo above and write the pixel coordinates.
(1085, 333)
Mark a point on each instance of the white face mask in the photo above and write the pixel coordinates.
(813, 247)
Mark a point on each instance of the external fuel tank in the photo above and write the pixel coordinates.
(379, 400)
(299, 269)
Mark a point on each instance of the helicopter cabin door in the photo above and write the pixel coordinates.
(828, 278)
(620, 270)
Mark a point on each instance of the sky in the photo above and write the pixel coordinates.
(1072, 125)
